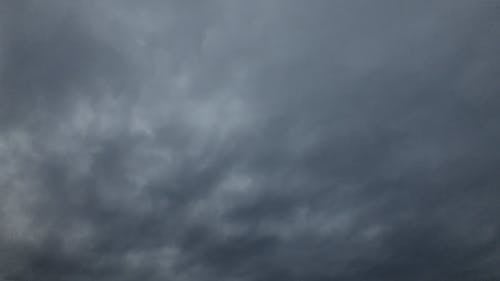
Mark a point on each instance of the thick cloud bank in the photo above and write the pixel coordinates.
(249, 140)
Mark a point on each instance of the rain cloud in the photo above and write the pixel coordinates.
(249, 140)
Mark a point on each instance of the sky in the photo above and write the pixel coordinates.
(260, 140)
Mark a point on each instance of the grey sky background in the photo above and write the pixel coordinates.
(249, 140)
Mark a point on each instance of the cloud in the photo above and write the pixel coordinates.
(235, 140)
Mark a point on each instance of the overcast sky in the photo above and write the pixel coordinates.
(259, 140)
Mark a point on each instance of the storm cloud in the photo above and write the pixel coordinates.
(249, 140)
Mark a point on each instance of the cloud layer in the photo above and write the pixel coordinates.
(249, 140)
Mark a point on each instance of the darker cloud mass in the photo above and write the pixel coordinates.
(249, 140)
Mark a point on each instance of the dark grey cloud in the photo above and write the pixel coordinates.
(49, 57)
(249, 140)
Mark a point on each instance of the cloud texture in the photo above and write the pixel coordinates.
(249, 140)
